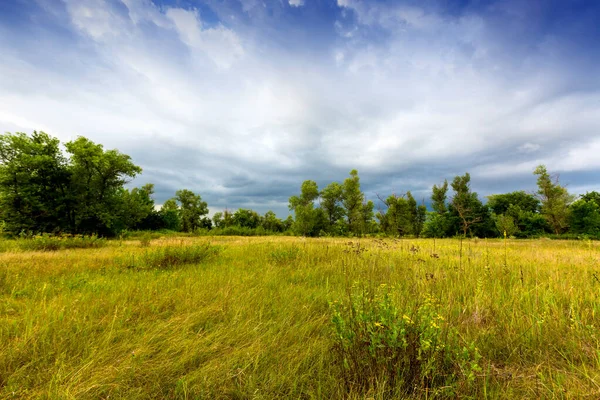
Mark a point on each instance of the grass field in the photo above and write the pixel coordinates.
(257, 318)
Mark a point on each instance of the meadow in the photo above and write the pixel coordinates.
(285, 317)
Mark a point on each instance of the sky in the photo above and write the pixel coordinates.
(242, 100)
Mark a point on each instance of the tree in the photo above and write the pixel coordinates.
(136, 205)
(171, 216)
(35, 192)
(397, 218)
(191, 209)
(584, 217)
(271, 223)
(246, 218)
(331, 198)
(465, 205)
(303, 208)
(592, 196)
(352, 200)
(438, 198)
(437, 223)
(367, 217)
(97, 178)
(417, 215)
(555, 200)
(500, 203)
(505, 224)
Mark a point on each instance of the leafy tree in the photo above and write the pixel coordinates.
(35, 181)
(584, 217)
(288, 223)
(417, 215)
(271, 223)
(505, 224)
(170, 215)
(304, 209)
(592, 196)
(331, 198)
(436, 225)
(438, 198)
(97, 177)
(191, 209)
(555, 200)
(500, 203)
(368, 223)
(246, 218)
(352, 200)
(136, 205)
(466, 208)
(397, 218)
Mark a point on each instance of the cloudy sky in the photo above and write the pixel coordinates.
(242, 100)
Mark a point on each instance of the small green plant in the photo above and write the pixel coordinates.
(377, 345)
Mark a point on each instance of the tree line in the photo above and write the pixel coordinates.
(81, 190)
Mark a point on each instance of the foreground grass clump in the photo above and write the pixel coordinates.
(382, 349)
(168, 257)
(47, 242)
(257, 319)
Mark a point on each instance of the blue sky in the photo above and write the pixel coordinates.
(242, 100)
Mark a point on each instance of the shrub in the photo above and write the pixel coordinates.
(377, 345)
(145, 240)
(47, 242)
(173, 256)
(285, 255)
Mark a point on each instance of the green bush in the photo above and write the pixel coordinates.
(377, 345)
(284, 256)
(47, 242)
(173, 256)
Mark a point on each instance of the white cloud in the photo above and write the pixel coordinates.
(528, 148)
(296, 3)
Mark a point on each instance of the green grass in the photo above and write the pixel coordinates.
(253, 318)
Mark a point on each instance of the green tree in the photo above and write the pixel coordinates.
(97, 179)
(417, 214)
(170, 215)
(191, 209)
(592, 196)
(136, 205)
(246, 218)
(584, 217)
(352, 200)
(467, 209)
(438, 198)
(500, 203)
(396, 220)
(555, 200)
(35, 192)
(271, 223)
(331, 199)
(304, 209)
(505, 224)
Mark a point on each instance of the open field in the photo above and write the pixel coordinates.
(252, 317)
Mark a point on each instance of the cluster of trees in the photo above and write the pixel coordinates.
(341, 209)
(81, 189)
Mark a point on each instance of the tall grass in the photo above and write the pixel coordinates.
(258, 319)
